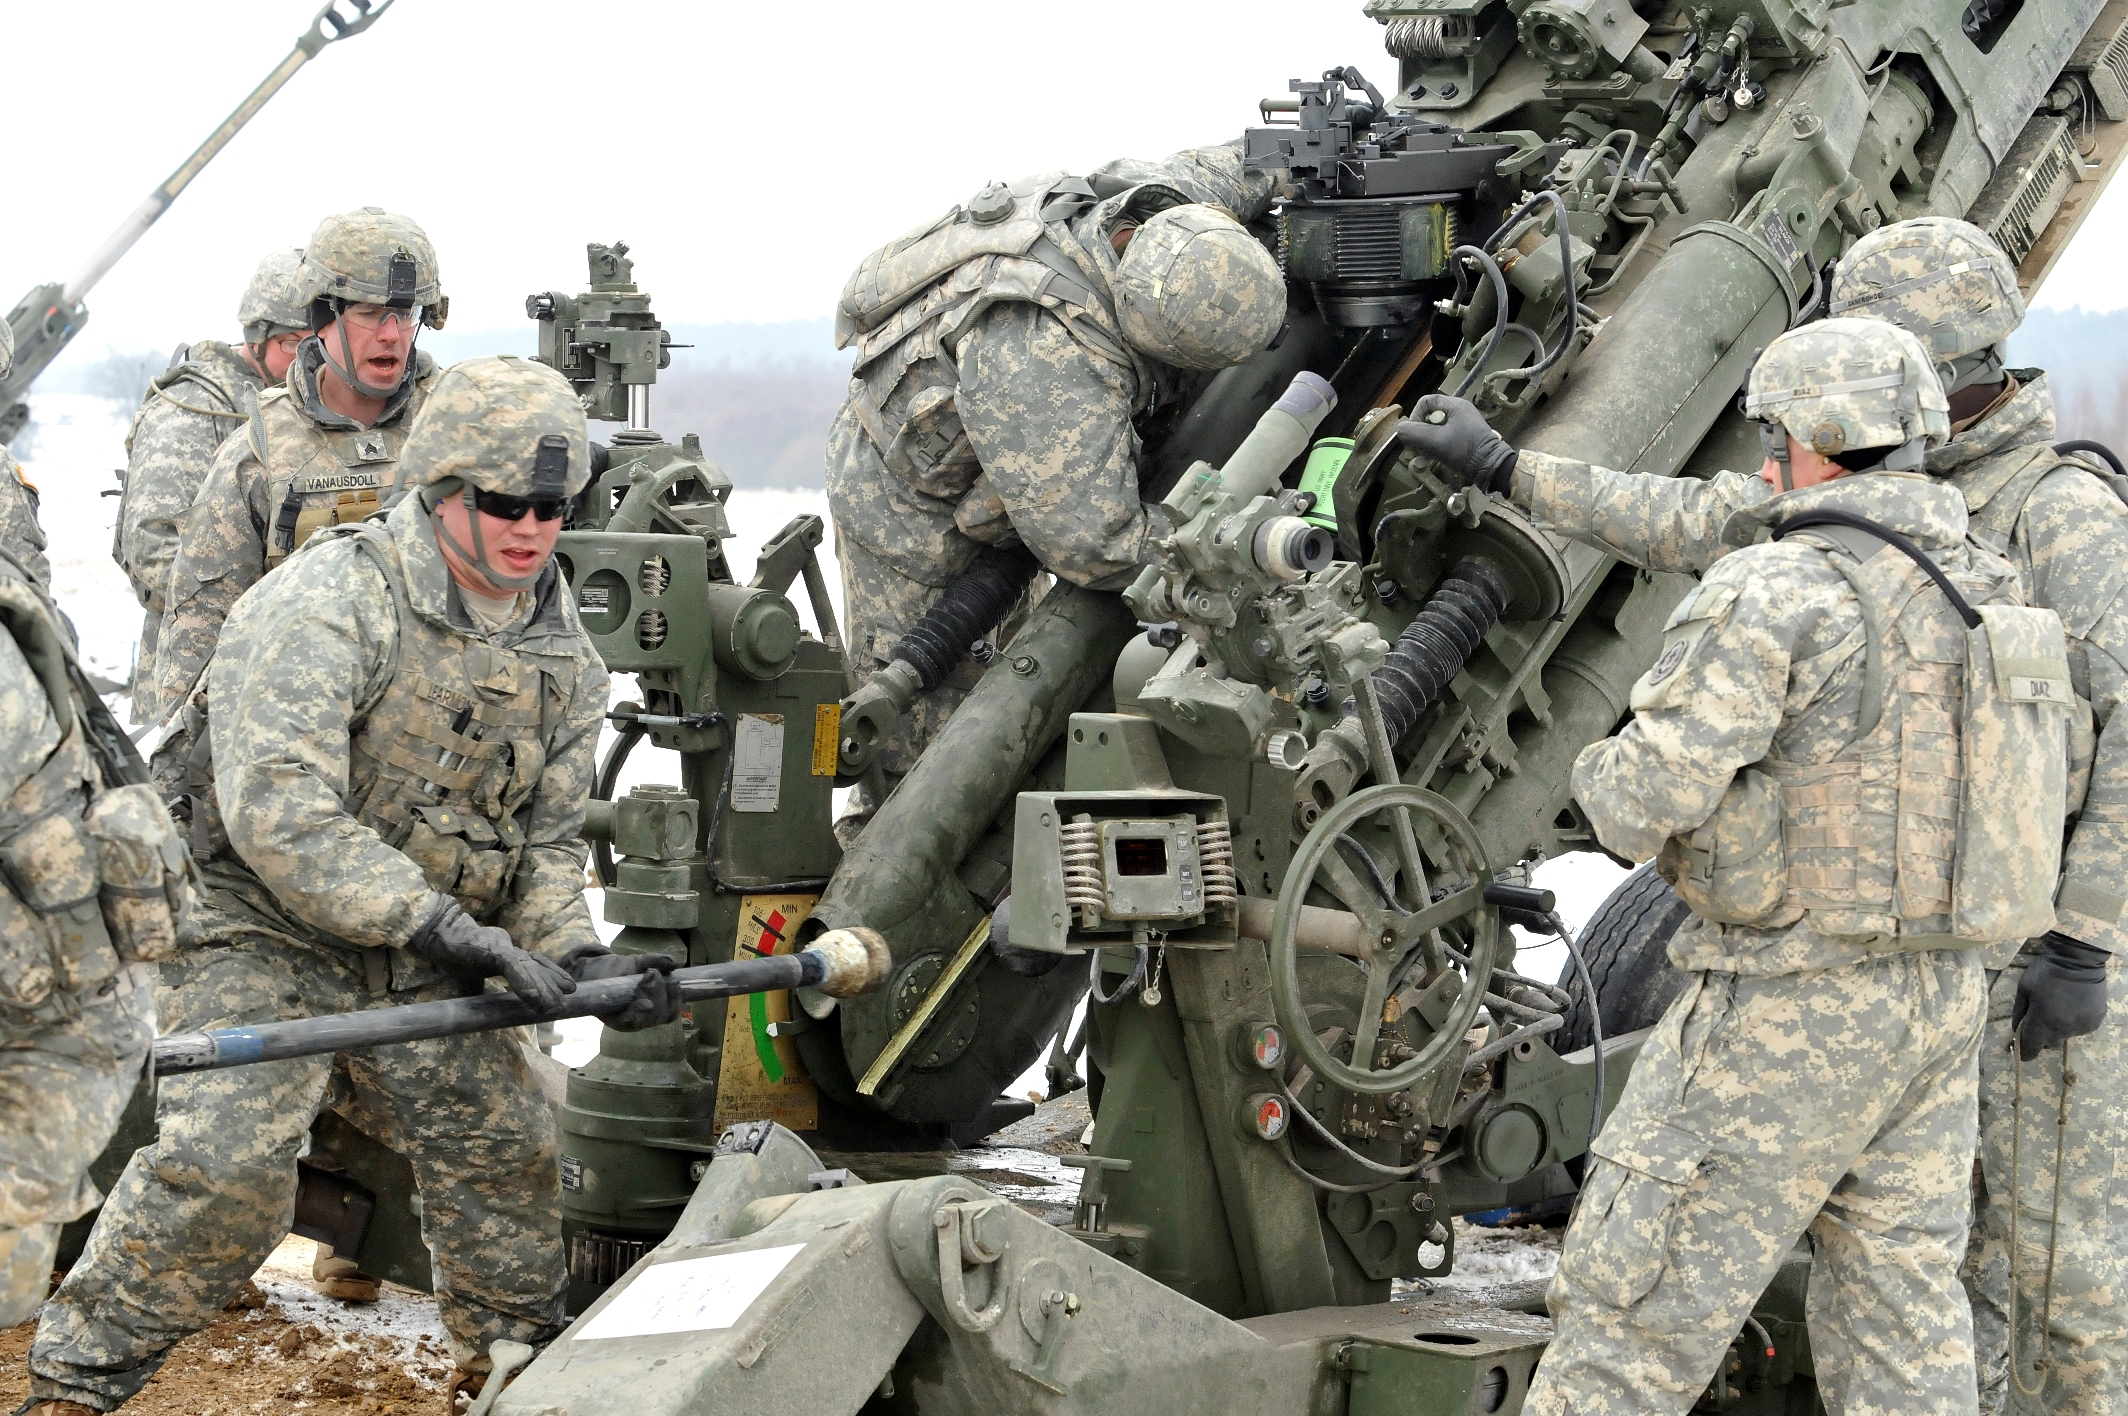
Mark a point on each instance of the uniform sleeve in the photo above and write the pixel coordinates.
(1051, 423)
(282, 698)
(21, 536)
(221, 553)
(171, 452)
(1213, 174)
(546, 912)
(1707, 708)
(1656, 523)
(2077, 535)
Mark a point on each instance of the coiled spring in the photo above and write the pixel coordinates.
(1080, 842)
(1215, 854)
(1427, 36)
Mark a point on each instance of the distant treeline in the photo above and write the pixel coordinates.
(761, 396)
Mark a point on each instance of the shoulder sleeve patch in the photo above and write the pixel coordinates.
(1688, 625)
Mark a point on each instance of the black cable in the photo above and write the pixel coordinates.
(609, 774)
(1804, 520)
(1566, 273)
(1124, 989)
(1588, 987)
(1492, 271)
(2096, 449)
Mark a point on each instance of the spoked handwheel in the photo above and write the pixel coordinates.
(1397, 934)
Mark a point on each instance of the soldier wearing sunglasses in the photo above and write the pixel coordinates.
(403, 722)
(321, 451)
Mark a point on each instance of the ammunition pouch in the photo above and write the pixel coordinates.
(146, 874)
(464, 856)
(1733, 868)
(49, 917)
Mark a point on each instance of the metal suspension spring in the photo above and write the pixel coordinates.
(1215, 853)
(1426, 36)
(1080, 843)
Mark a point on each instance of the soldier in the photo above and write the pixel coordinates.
(2066, 531)
(323, 449)
(1006, 357)
(77, 989)
(21, 537)
(403, 725)
(191, 409)
(1786, 769)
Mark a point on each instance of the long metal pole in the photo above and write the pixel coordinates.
(336, 21)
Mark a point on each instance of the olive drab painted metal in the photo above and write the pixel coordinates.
(1251, 1196)
(1702, 170)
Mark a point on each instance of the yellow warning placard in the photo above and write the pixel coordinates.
(759, 1076)
(827, 738)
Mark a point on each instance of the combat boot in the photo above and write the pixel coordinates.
(342, 1278)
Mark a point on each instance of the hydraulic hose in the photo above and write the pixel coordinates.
(976, 600)
(1444, 633)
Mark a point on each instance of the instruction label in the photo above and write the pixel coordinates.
(757, 774)
(690, 1295)
(827, 738)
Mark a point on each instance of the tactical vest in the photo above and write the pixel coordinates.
(319, 477)
(909, 303)
(1939, 825)
(442, 763)
(92, 875)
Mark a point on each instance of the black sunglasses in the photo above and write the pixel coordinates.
(509, 508)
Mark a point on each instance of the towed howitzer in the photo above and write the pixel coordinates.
(840, 965)
(1585, 217)
(46, 320)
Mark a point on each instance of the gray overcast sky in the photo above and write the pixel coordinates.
(750, 154)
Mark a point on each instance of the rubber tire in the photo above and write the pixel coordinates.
(1626, 944)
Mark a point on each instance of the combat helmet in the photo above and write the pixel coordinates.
(372, 257)
(1195, 290)
(278, 299)
(1844, 385)
(504, 426)
(1944, 282)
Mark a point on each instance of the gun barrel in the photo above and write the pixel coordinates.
(330, 24)
(449, 1017)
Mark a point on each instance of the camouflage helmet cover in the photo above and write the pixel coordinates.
(1940, 279)
(375, 257)
(501, 424)
(1841, 385)
(278, 299)
(1195, 290)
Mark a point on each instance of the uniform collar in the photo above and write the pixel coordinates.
(429, 588)
(1915, 505)
(2026, 418)
(303, 387)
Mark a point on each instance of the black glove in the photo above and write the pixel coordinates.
(657, 997)
(2062, 995)
(453, 938)
(1455, 434)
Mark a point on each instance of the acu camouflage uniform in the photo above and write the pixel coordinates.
(298, 468)
(336, 692)
(1004, 403)
(190, 411)
(21, 535)
(76, 996)
(1794, 767)
(2066, 531)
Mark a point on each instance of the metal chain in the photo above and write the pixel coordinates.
(1150, 994)
(2061, 1141)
